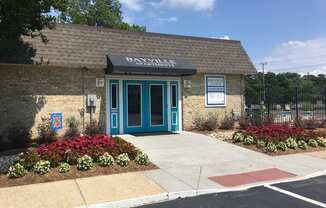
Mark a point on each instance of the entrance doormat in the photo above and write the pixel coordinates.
(152, 133)
(251, 177)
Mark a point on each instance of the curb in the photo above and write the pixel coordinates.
(165, 196)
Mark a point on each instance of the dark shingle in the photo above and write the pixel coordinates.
(85, 46)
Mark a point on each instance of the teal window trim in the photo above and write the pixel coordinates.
(114, 122)
(175, 97)
(116, 96)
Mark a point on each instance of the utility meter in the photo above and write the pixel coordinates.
(91, 100)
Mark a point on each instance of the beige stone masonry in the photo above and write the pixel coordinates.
(194, 99)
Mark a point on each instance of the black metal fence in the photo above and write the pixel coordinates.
(294, 106)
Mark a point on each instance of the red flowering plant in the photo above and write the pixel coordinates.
(274, 133)
(81, 145)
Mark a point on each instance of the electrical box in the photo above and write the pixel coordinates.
(187, 84)
(91, 101)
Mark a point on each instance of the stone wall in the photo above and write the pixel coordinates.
(194, 99)
(30, 92)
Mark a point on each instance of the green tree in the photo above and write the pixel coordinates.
(104, 13)
(26, 17)
(281, 88)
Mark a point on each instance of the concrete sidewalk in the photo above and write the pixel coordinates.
(80, 192)
(187, 160)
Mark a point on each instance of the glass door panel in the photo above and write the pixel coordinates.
(156, 105)
(134, 105)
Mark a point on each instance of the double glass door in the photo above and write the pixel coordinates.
(145, 106)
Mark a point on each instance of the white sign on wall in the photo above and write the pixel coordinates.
(216, 81)
(215, 98)
(100, 82)
(215, 91)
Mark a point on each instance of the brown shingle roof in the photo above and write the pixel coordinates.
(85, 46)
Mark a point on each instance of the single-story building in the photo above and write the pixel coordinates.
(135, 81)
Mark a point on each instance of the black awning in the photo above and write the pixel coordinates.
(149, 66)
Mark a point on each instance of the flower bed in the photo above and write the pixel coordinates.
(64, 158)
(278, 139)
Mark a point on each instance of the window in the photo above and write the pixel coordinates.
(174, 95)
(114, 94)
(214, 91)
(134, 105)
(156, 93)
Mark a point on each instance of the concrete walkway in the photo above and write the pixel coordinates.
(187, 160)
(80, 192)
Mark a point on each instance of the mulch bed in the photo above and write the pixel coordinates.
(54, 175)
(280, 152)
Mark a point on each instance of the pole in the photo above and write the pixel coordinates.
(296, 104)
(325, 103)
(264, 92)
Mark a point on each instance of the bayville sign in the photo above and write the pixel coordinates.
(154, 62)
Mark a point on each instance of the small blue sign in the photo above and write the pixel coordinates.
(56, 121)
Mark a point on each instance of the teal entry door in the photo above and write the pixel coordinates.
(145, 106)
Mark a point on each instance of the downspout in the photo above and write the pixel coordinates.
(242, 94)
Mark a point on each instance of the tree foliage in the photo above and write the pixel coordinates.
(281, 88)
(104, 13)
(26, 17)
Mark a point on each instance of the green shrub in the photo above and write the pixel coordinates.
(248, 140)
(312, 143)
(45, 132)
(282, 146)
(34, 145)
(85, 163)
(261, 144)
(124, 147)
(64, 168)
(238, 137)
(207, 123)
(105, 160)
(16, 171)
(29, 159)
(73, 127)
(271, 147)
(302, 144)
(123, 159)
(310, 123)
(94, 128)
(321, 141)
(291, 143)
(227, 123)
(244, 122)
(95, 153)
(256, 118)
(42, 167)
(53, 157)
(71, 157)
(142, 159)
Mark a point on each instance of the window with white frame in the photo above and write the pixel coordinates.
(215, 93)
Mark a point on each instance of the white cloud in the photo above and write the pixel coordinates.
(225, 37)
(198, 5)
(157, 19)
(171, 19)
(132, 5)
(298, 56)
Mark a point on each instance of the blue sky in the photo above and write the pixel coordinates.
(289, 34)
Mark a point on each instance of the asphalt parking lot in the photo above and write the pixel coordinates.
(309, 193)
